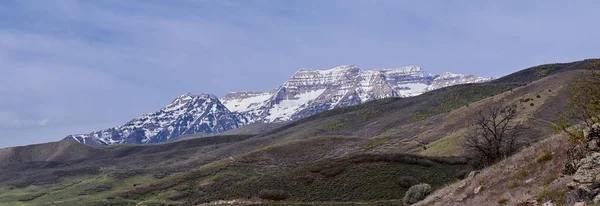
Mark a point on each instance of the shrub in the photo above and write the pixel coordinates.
(544, 157)
(539, 96)
(337, 125)
(512, 185)
(532, 104)
(503, 200)
(543, 194)
(521, 174)
(407, 181)
(378, 142)
(275, 195)
(416, 193)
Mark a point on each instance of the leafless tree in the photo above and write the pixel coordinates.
(495, 134)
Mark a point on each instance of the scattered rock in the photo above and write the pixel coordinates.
(478, 189)
(462, 185)
(597, 200)
(573, 185)
(472, 174)
(577, 195)
(529, 180)
(594, 145)
(588, 169)
(529, 203)
(462, 197)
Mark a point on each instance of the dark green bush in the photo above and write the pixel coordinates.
(407, 181)
(275, 195)
(416, 193)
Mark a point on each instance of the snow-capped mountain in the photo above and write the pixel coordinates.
(187, 114)
(307, 92)
(310, 91)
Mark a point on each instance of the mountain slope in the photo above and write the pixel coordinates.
(319, 158)
(306, 93)
(187, 114)
(311, 91)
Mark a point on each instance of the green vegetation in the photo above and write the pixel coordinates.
(337, 125)
(85, 188)
(301, 162)
(503, 200)
(343, 110)
(416, 193)
(544, 157)
(592, 65)
(543, 194)
(447, 146)
(512, 185)
(275, 195)
(556, 196)
(407, 181)
(584, 105)
(378, 142)
(462, 96)
(357, 178)
(418, 116)
(521, 174)
(536, 73)
(368, 114)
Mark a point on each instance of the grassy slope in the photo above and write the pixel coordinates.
(176, 172)
(509, 178)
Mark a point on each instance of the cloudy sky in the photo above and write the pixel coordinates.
(77, 66)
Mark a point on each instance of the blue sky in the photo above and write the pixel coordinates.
(78, 66)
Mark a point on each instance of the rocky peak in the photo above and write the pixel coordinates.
(307, 92)
(448, 75)
(411, 69)
(187, 114)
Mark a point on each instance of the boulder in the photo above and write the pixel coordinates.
(472, 174)
(529, 181)
(478, 189)
(549, 203)
(577, 195)
(528, 203)
(588, 169)
(580, 204)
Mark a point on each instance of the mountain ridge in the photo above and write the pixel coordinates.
(306, 93)
(346, 155)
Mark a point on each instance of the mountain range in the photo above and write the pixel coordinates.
(369, 154)
(306, 93)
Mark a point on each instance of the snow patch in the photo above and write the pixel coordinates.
(411, 89)
(286, 108)
(247, 104)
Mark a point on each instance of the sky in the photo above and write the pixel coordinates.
(70, 67)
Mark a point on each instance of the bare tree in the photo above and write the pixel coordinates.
(495, 135)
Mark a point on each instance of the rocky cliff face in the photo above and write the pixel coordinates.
(311, 91)
(187, 114)
(307, 92)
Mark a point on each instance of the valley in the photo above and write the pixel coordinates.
(369, 151)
